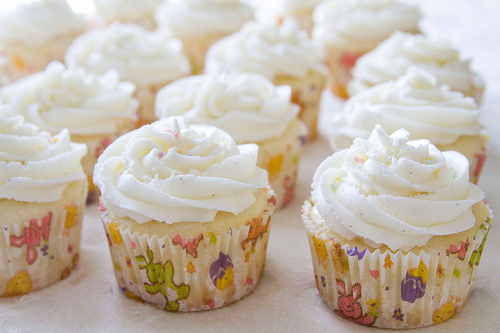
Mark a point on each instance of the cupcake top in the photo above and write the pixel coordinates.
(39, 22)
(139, 55)
(393, 191)
(363, 23)
(415, 102)
(204, 17)
(171, 172)
(126, 10)
(34, 165)
(392, 58)
(286, 7)
(229, 100)
(85, 103)
(269, 50)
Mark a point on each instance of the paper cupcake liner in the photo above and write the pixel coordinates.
(307, 94)
(394, 289)
(40, 250)
(196, 49)
(198, 272)
(476, 166)
(282, 168)
(341, 63)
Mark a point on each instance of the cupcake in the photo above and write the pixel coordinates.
(283, 54)
(127, 11)
(187, 214)
(229, 100)
(139, 55)
(95, 109)
(348, 29)
(209, 21)
(34, 34)
(416, 102)
(42, 198)
(396, 231)
(392, 58)
(279, 10)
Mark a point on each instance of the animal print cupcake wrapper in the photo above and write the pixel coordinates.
(476, 166)
(40, 250)
(198, 272)
(394, 290)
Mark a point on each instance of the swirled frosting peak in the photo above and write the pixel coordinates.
(204, 17)
(393, 191)
(39, 22)
(35, 166)
(139, 55)
(170, 172)
(392, 58)
(415, 102)
(363, 23)
(84, 103)
(229, 100)
(266, 49)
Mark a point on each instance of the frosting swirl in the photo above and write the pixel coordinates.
(204, 17)
(415, 102)
(39, 22)
(139, 55)
(85, 103)
(266, 49)
(393, 191)
(170, 172)
(35, 166)
(363, 23)
(392, 58)
(228, 100)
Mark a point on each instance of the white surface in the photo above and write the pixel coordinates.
(286, 299)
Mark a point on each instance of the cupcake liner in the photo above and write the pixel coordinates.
(341, 62)
(306, 93)
(39, 251)
(476, 166)
(192, 273)
(282, 168)
(394, 289)
(196, 49)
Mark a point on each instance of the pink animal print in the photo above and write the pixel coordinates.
(190, 247)
(349, 307)
(32, 237)
(460, 250)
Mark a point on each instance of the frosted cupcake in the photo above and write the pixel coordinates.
(279, 10)
(209, 21)
(396, 231)
(42, 197)
(448, 119)
(348, 29)
(127, 11)
(139, 55)
(250, 109)
(96, 109)
(187, 214)
(34, 34)
(392, 58)
(284, 55)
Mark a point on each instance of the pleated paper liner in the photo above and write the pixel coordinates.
(199, 272)
(393, 289)
(41, 249)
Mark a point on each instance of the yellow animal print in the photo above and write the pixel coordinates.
(446, 311)
(19, 284)
(321, 251)
(421, 271)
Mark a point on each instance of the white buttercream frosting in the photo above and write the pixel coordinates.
(192, 18)
(171, 172)
(85, 103)
(392, 58)
(393, 191)
(363, 23)
(139, 55)
(39, 22)
(229, 100)
(34, 165)
(127, 10)
(415, 102)
(266, 49)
